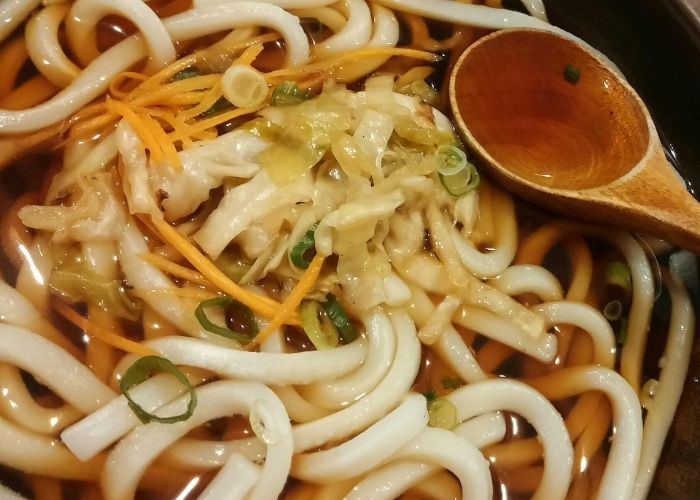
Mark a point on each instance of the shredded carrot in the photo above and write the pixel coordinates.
(175, 269)
(103, 334)
(202, 82)
(249, 55)
(261, 305)
(140, 127)
(121, 78)
(168, 148)
(205, 102)
(306, 283)
(168, 72)
(203, 125)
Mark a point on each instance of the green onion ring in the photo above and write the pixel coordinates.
(142, 370)
(225, 302)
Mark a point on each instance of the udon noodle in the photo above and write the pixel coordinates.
(245, 255)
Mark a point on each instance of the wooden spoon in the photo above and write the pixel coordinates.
(588, 148)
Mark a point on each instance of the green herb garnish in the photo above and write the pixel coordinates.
(318, 327)
(340, 319)
(430, 395)
(572, 74)
(143, 369)
(186, 73)
(231, 306)
(299, 253)
(289, 94)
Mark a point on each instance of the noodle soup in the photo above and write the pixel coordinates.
(245, 255)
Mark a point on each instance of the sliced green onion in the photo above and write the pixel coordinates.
(613, 310)
(321, 332)
(457, 175)
(298, 253)
(572, 74)
(143, 369)
(186, 73)
(451, 383)
(340, 319)
(222, 104)
(442, 413)
(289, 94)
(227, 303)
(430, 395)
(618, 274)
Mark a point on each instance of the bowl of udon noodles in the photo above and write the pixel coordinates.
(245, 255)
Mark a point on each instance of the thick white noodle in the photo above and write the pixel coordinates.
(103, 427)
(234, 481)
(366, 450)
(389, 481)
(265, 367)
(18, 405)
(493, 263)
(483, 430)
(506, 332)
(640, 308)
(94, 80)
(354, 35)
(40, 454)
(329, 17)
(12, 13)
(202, 454)
(450, 346)
(526, 278)
(285, 4)
(481, 16)
(454, 453)
(493, 395)
(623, 459)
(8, 494)
(335, 394)
(129, 459)
(299, 409)
(211, 19)
(31, 281)
(674, 368)
(536, 8)
(44, 48)
(17, 310)
(384, 398)
(385, 34)
(143, 276)
(478, 16)
(81, 28)
(386, 27)
(54, 367)
(586, 318)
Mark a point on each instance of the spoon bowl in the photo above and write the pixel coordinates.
(559, 127)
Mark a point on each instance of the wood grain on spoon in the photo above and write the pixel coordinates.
(588, 149)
